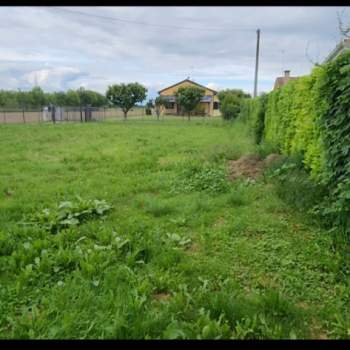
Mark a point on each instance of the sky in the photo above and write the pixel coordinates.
(61, 48)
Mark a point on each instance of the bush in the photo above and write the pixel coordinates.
(69, 213)
(230, 107)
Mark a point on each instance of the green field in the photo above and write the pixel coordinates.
(182, 253)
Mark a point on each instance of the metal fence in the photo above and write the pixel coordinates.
(64, 114)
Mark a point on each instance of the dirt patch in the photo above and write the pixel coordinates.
(251, 166)
(219, 222)
(162, 296)
(317, 332)
(303, 305)
(193, 248)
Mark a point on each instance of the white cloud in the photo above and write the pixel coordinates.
(213, 86)
(60, 50)
(54, 77)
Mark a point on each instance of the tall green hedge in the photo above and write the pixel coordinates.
(333, 105)
(292, 121)
(310, 116)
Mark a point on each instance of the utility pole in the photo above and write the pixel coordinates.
(256, 63)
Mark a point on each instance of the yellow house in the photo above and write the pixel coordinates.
(209, 102)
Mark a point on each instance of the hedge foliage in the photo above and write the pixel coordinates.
(292, 122)
(253, 112)
(334, 108)
(310, 116)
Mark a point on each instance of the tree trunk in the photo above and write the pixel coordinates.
(125, 115)
(189, 116)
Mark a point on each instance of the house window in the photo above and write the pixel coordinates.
(171, 105)
(216, 105)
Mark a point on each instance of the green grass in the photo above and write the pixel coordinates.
(182, 253)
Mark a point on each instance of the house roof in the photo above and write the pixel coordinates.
(343, 45)
(190, 81)
(280, 81)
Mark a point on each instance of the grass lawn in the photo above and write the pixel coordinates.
(182, 253)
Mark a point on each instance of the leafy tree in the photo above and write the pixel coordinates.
(37, 97)
(22, 99)
(231, 102)
(99, 100)
(126, 96)
(9, 98)
(188, 98)
(230, 107)
(2, 98)
(236, 92)
(59, 98)
(72, 98)
(84, 97)
(158, 103)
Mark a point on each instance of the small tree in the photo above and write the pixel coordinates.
(158, 103)
(126, 96)
(72, 98)
(230, 102)
(2, 98)
(236, 92)
(188, 98)
(37, 97)
(230, 107)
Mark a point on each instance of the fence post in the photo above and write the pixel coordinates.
(53, 114)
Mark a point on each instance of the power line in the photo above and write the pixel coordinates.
(228, 30)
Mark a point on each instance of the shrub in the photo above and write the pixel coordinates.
(230, 107)
(69, 213)
(231, 101)
(195, 177)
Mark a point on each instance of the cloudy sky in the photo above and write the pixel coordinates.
(59, 48)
